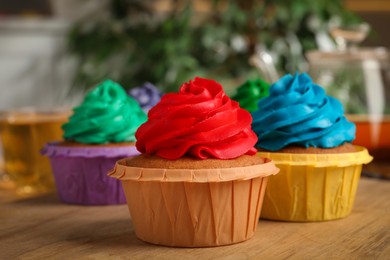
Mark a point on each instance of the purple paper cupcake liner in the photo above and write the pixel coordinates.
(81, 173)
(52, 150)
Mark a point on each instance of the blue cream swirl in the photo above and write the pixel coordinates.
(298, 112)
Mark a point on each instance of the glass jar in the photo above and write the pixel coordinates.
(360, 79)
(23, 133)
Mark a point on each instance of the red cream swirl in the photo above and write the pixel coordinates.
(200, 121)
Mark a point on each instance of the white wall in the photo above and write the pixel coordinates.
(34, 69)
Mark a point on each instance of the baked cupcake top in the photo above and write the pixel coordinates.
(147, 95)
(249, 93)
(106, 115)
(199, 121)
(298, 112)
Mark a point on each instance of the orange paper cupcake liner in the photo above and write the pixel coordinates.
(124, 172)
(194, 208)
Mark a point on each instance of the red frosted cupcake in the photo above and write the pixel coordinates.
(197, 182)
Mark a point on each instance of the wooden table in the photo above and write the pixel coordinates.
(42, 227)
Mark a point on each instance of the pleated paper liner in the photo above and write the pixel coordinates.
(194, 207)
(80, 173)
(313, 187)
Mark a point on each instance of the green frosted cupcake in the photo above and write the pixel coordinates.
(249, 93)
(99, 133)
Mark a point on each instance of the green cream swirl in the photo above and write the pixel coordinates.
(107, 115)
(249, 93)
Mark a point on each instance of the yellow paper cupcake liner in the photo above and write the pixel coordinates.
(313, 187)
(361, 156)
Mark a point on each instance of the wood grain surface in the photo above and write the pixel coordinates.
(42, 227)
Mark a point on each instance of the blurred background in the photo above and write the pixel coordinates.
(51, 50)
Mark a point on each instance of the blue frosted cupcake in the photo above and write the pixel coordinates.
(307, 135)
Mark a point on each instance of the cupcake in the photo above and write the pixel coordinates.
(197, 182)
(100, 132)
(307, 135)
(147, 96)
(249, 93)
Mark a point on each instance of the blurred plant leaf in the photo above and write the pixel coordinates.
(134, 45)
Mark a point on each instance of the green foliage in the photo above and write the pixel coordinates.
(134, 45)
(289, 28)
